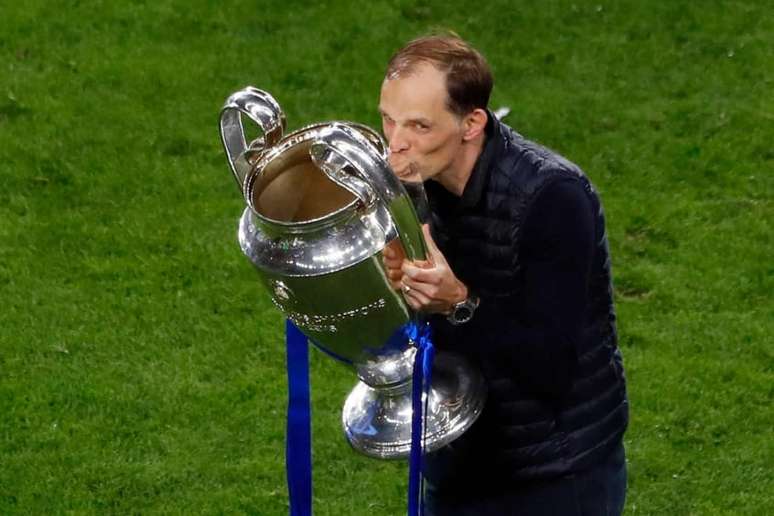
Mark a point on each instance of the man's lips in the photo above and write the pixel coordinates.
(401, 165)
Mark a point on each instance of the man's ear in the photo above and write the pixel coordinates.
(475, 124)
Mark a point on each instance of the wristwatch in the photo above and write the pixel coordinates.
(462, 312)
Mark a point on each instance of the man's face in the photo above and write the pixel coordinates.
(424, 136)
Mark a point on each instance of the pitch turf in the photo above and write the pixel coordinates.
(141, 366)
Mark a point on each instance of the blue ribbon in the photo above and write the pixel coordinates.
(420, 387)
(298, 444)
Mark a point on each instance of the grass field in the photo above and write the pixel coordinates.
(141, 366)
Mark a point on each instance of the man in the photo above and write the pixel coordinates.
(518, 281)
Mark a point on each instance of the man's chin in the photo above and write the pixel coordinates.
(412, 177)
(406, 172)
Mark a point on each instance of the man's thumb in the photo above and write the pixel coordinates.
(429, 239)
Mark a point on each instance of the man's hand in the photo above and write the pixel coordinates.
(393, 257)
(429, 286)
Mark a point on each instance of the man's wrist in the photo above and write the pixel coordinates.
(462, 311)
(462, 295)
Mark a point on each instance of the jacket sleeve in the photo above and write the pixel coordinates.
(540, 343)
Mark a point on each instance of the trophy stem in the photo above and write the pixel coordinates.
(377, 419)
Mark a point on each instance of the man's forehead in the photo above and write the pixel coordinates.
(414, 96)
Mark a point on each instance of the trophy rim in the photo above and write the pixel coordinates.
(301, 136)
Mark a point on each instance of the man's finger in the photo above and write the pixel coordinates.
(413, 303)
(429, 239)
(426, 289)
(416, 299)
(420, 274)
(393, 264)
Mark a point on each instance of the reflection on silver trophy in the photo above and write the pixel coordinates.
(322, 204)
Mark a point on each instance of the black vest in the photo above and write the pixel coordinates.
(523, 434)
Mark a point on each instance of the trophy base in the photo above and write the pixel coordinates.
(377, 420)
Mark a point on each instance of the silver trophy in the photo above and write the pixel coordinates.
(322, 204)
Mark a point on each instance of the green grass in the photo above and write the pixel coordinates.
(141, 366)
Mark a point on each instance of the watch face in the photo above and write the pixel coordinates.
(463, 314)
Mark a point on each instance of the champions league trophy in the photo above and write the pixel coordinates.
(322, 204)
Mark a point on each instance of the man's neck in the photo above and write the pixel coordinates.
(456, 177)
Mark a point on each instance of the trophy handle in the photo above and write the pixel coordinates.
(260, 107)
(339, 148)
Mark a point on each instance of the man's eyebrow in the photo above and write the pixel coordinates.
(420, 120)
(416, 120)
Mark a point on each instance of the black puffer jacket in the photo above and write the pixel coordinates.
(528, 237)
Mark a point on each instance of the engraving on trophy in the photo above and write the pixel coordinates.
(327, 322)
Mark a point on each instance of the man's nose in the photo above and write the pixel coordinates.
(398, 140)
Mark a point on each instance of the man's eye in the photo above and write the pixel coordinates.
(421, 127)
